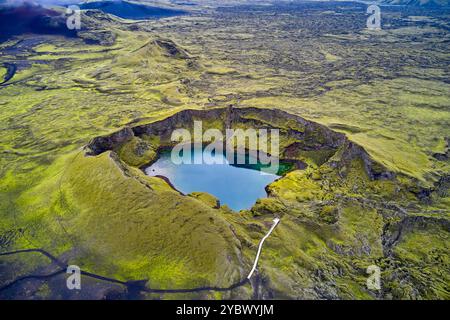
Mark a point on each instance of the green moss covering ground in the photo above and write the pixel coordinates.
(3, 72)
(102, 213)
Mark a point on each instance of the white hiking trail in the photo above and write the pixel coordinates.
(255, 264)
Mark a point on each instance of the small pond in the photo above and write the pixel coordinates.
(237, 186)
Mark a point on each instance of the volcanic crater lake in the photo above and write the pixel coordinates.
(237, 186)
(130, 10)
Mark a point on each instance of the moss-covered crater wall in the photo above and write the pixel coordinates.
(341, 214)
(301, 141)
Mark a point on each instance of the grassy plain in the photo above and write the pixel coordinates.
(388, 91)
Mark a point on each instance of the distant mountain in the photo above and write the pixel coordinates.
(36, 2)
(423, 3)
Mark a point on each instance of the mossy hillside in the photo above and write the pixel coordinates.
(344, 214)
(300, 141)
(53, 123)
(22, 212)
(389, 136)
(64, 118)
(181, 255)
(147, 65)
(338, 204)
(3, 72)
(206, 198)
(129, 225)
(137, 152)
(305, 254)
(393, 103)
(23, 224)
(331, 240)
(396, 110)
(337, 101)
(349, 180)
(418, 264)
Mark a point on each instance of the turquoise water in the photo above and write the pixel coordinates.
(237, 187)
